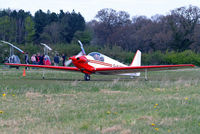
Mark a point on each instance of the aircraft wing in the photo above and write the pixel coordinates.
(46, 67)
(132, 69)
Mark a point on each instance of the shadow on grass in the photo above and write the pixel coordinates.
(95, 79)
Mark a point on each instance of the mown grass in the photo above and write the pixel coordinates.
(64, 103)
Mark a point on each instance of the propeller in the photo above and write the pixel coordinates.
(45, 45)
(12, 46)
(68, 62)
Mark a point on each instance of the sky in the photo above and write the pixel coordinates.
(89, 8)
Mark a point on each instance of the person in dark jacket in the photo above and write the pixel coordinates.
(63, 59)
(41, 60)
(26, 59)
(37, 58)
(56, 60)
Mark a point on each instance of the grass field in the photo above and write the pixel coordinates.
(63, 103)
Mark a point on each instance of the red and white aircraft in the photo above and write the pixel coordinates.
(97, 63)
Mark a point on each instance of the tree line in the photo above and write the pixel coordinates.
(22, 28)
(177, 31)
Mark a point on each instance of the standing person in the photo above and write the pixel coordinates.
(63, 59)
(33, 59)
(56, 60)
(47, 60)
(37, 58)
(26, 59)
(41, 60)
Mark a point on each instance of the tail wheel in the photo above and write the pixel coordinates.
(87, 77)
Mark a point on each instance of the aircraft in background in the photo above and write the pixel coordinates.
(13, 58)
(47, 60)
(97, 63)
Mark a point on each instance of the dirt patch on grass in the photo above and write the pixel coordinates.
(128, 131)
(115, 81)
(60, 95)
(170, 121)
(111, 129)
(159, 89)
(170, 97)
(105, 91)
(36, 94)
(150, 118)
(72, 95)
(10, 123)
(33, 95)
(75, 83)
(15, 123)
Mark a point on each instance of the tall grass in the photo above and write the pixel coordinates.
(64, 103)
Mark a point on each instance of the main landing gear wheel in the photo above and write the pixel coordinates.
(87, 77)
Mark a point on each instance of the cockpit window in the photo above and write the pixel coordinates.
(97, 56)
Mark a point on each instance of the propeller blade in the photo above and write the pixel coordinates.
(82, 49)
(68, 62)
(79, 54)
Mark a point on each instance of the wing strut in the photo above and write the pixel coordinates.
(146, 75)
(43, 73)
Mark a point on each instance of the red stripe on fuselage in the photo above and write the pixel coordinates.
(101, 63)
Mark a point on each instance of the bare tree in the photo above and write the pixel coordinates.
(109, 22)
(182, 22)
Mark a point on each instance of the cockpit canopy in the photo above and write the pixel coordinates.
(97, 56)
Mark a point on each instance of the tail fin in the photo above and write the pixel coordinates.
(137, 59)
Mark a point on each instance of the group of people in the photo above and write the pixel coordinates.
(38, 59)
(57, 60)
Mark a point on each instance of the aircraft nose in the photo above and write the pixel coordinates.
(80, 59)
(72, 58)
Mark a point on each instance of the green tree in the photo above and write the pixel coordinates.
(29, 29)
(71, 23)
(41, 20)
(51, 33)
(7, 28)
(84, 36)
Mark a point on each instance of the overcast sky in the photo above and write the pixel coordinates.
(89, 8)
